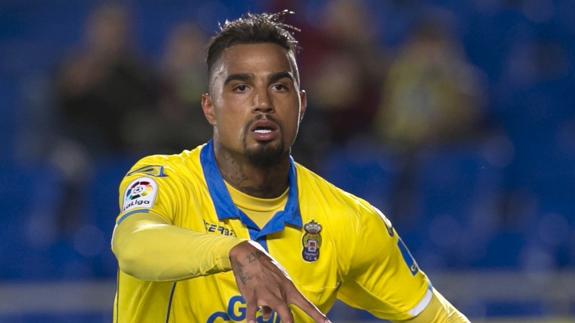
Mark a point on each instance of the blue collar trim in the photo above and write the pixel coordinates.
(225, 208)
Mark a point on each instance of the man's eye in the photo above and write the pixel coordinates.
(280, 87)
(240, 88)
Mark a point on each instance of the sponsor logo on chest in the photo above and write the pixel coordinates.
(236, 312)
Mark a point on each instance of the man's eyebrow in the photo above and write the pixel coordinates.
(238, 77)
(280, 75)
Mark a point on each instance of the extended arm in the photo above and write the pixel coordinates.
(149, 248)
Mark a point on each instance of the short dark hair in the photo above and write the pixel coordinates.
(251, 29)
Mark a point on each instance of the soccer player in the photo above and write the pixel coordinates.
(235, 230)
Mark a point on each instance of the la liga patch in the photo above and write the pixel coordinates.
(141, 193)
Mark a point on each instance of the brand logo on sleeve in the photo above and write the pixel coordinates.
(150, 170)
(141, 193)
(311, 241)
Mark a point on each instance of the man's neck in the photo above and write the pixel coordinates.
(263, 182)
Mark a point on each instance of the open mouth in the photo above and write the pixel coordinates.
(264, 130)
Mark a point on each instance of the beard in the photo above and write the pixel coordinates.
(265, 155)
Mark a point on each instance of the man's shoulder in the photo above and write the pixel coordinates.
(163, 165)
(316, 190)
(313, 183)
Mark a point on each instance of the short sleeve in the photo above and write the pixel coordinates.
(149, 187)
(383, 277)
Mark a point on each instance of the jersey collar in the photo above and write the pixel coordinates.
(225, 208)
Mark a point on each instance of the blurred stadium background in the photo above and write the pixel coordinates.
(456, 118)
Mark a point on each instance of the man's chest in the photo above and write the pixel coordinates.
(307, 253)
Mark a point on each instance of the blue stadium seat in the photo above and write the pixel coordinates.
(459, 194)
(364, 170)
(103, 209)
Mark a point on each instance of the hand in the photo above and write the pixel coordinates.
(263, 282)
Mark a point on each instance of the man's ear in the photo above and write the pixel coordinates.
(303, 102)
(208, 108)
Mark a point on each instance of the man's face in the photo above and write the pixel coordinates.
(255, 103)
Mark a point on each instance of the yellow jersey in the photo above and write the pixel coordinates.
(332, 244)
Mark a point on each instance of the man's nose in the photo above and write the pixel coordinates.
(262, 101)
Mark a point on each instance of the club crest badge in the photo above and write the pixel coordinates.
(311, 241)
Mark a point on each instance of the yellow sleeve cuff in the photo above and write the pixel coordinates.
(222, 250)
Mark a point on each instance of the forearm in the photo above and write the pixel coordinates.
(150, 249)
(439, 310)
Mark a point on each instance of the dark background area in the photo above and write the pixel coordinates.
(455, 118)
